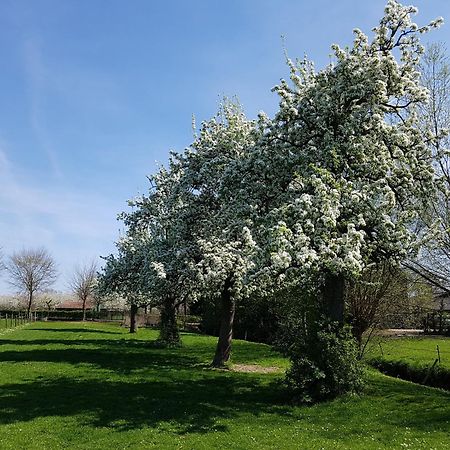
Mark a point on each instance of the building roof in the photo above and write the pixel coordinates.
(74, 304)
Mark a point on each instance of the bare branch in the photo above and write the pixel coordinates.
(83, 282)
(31, 271)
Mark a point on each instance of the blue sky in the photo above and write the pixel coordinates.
(94, 93)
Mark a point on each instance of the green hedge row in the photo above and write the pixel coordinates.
(78, 315)
(436, 376)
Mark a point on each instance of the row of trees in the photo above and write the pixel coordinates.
(338, 183)
(34, 271)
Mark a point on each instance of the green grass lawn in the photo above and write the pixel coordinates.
(93, 386)
(417, 351)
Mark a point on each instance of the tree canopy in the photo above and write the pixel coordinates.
(330, 186)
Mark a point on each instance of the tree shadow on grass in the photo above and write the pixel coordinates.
(75, 330)
(189, 402)
(119, 358)
(178, 393)
(192, 406)
(120, 355)
(102, 342)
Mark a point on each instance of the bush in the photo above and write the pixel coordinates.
(77, 315)
(324, 364)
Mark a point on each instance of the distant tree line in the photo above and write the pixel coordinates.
(33, 271)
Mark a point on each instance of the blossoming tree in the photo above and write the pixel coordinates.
(356, 164)
(167, 247)
(220, 221)
(329, 187)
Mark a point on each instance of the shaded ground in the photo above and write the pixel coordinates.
(94, 386)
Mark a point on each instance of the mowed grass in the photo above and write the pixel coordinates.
(417, 351)
(94, 386)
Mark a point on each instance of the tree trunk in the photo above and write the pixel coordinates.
(228, 307)
(358, 330)
(133, 313)
(168, 333)
(30, 302)
(84, 309)
(333, 297)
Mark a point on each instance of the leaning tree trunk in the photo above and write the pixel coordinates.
(333, 297)
(133, 314)
(168, 333)
(228, 307)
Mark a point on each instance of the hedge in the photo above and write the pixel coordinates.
(78, 315)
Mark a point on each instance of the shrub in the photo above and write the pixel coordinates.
(324, 364)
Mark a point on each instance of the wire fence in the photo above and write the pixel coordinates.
(14, 319)
(429, 366)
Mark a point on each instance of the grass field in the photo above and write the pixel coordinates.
(93, 386)
(417, 351)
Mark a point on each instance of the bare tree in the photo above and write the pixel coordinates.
(31, 271)
(433, 263)
(384, 295)
(379, 291)
(49, 300)
(83, 283)
(366, 298)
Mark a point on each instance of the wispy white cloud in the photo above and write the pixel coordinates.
(74, 212)
(71, 224)
(37, 78)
